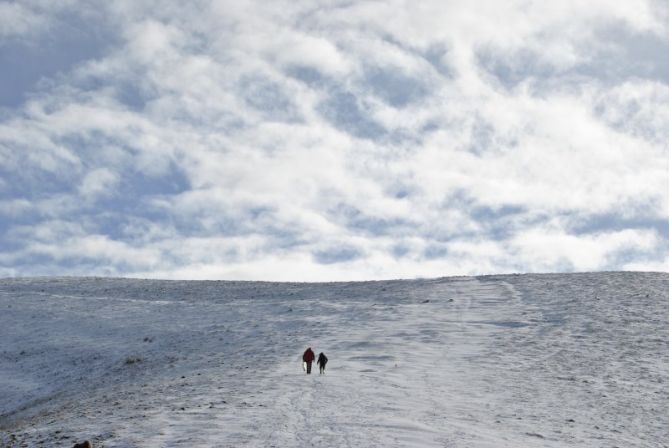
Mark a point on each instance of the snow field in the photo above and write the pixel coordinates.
(499, 361)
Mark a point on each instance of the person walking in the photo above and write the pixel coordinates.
(308, 357)
(322, 360)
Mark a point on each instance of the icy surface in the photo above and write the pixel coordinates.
(499, 361)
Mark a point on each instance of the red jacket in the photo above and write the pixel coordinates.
(308, 356)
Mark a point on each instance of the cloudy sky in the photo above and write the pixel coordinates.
(332, 140)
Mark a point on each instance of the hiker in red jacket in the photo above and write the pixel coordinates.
(308, 358)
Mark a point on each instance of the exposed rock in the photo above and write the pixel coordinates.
(85, 444)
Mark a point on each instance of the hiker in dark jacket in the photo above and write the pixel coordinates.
(322, 360)
(308, 358)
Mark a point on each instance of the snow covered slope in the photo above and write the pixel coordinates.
(498, 361)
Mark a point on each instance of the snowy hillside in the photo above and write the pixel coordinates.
(500, 361)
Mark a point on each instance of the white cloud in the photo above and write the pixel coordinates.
(17, 20)
(251, 140)
(650, 266)
(99, 182)
(100, 248)
(15, 207)
(551, 250)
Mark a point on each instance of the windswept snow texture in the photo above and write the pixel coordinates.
(498, 361)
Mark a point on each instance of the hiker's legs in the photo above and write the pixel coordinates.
(308, 367)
